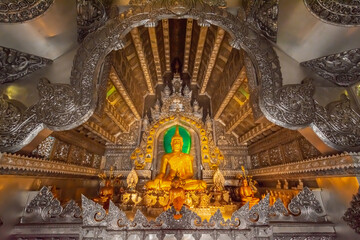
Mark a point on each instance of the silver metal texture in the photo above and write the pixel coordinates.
(91, 16)
(15, 64)
(342, 68)
(22, 11)
(305, 208)
(45, 208)
(337, 12)
(352, 214)
(263, 15)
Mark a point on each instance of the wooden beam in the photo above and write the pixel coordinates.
(199, 51)
(244, 112)
(313, 138)
(112, 113)
(219, 38)
(189, 27)
(75, 138)
(42, 135)
(155, 51)
(165, 26)
(114, 77)
(238, 81)
(143, 62)
(256, 131)
(100, 132)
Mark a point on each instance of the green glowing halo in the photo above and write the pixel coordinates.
(183, 133)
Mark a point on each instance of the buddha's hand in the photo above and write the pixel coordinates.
(157, 181)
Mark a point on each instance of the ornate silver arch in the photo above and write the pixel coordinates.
(63, 107)
(22, 11)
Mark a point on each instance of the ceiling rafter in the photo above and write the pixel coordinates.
(189, 27)
(81, 140)
(155, 51)
(238, 81)
(113, 114)
(256, 131)
(100, 132)
(244, 112)
(114, 77)
(199, 51)
(143, 62)
(220, 33)
(165, 26)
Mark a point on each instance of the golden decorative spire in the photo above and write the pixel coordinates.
(177, 133)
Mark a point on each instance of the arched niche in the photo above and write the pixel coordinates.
(194, 151)
(64, 106)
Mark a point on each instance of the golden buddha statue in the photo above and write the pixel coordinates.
(180, 164)
(176, 192)
(247, 189)
(247, 193)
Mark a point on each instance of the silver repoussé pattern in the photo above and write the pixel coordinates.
(22, 10)
(342, 68)
(338, 12)
(15, 64)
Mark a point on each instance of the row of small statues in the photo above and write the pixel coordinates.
(285, 186)
(216, 196)
(284, 196)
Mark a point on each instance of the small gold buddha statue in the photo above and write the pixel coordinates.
(177, 195)
(247, 194)
(180, 164)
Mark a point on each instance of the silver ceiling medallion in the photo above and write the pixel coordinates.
(337, 12)
(22, 10)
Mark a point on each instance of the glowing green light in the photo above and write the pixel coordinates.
(183, 133)
(111, 91)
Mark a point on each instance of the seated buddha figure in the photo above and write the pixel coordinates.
(247, 194)
(180, 164)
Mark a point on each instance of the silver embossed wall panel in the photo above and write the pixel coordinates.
(338, 12)
(263, 14)
(342, 68)
(91, 15)
(15, 64)
(22, 10)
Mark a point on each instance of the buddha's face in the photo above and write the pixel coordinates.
(245, 183)
(176, 144)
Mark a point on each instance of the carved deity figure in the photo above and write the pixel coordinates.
(106, 194)
(219, 181)
(180, 164)
(247, 193)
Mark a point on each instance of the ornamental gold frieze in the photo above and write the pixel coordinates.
(188, 37)
(155, 52)
(17, 162)
(343, 164)
(215, 50)
(142, 58)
